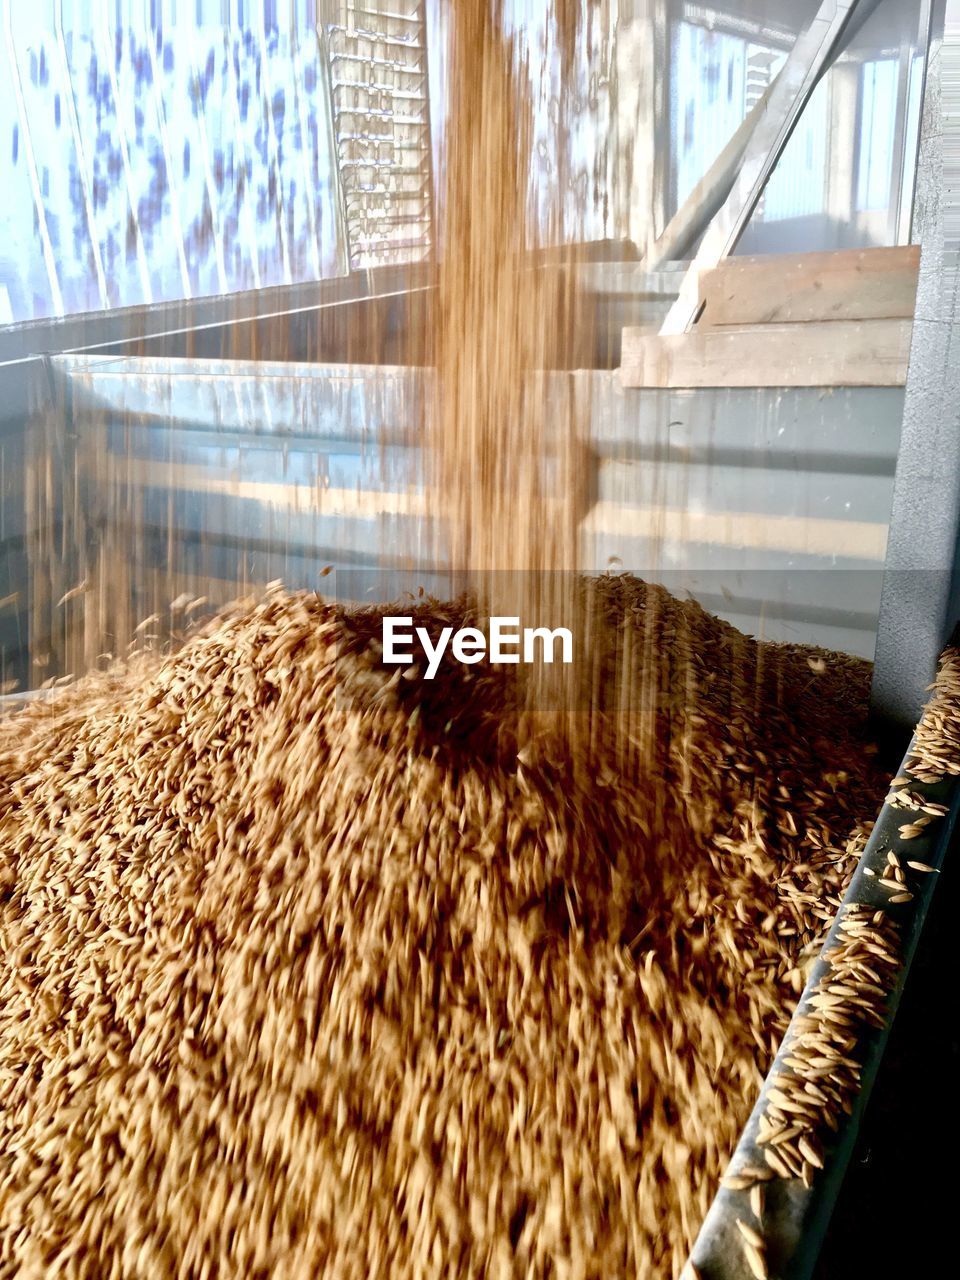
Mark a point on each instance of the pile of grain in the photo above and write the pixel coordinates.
(303, 972)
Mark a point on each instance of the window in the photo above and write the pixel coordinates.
(878, 108)
(144, 165)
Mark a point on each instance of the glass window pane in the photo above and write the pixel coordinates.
(878, 108)
(145, 162)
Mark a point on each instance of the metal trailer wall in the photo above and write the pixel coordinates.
(374, 317)
(21, 390)
(215, 477)
(367, 316)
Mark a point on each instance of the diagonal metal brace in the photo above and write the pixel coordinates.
(814, 51)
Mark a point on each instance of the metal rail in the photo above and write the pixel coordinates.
(795, 1218)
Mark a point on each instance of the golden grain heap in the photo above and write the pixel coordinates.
(303, 972)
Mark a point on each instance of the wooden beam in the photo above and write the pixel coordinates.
(854, 353)
(855, 284)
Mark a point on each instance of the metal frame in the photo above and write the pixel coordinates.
(925, 36)
(899, 148)
(921, 601)
(687, 225)
(835, 23)
(340, 203)
(370, 207)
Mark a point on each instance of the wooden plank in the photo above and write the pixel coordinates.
(843, 353)
(856, 284)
